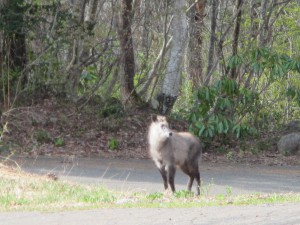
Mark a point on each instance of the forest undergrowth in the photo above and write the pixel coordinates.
(54, 127)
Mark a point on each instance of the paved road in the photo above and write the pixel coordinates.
(136, 175)
(142, 175)
(230, 215)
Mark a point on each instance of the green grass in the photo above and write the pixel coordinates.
(34, 193)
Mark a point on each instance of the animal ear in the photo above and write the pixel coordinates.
(161, 118)
(154, 118)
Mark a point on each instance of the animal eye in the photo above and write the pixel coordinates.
(164, 126)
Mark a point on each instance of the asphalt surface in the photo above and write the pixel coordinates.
(137, 175)
(230, 215)
(142, 175)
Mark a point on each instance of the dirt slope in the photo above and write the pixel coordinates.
(95, 129)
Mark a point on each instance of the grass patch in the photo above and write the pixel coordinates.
(45, 194)
(20, 191)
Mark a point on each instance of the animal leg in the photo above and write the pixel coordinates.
(171, 170)
(163, 173)
(192, 171)
(185, 168)
(194, 174)
(190, 183)
(162, 169)
(197, 177)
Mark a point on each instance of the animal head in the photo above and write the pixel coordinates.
(161, 127)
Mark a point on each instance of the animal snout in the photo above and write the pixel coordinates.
(170, 134)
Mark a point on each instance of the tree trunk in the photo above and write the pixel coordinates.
(89, 24)
(74, 68)
(236, 35)
(171, 82)
(14, 35)
(81, 57)
(264, 24)
(194, 56)
(253, 16)
(14, 42)
(146, 41)
(128, 91)
(212, 39)
(93, 5)
(153, 73)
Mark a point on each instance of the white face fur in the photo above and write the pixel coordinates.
(161, 127)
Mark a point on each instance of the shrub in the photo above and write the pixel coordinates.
(220, 109)
(113, 144)
(42, 136)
